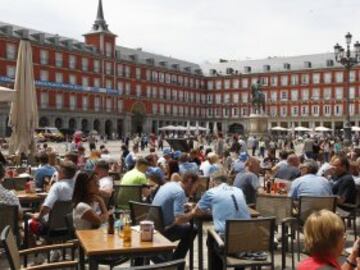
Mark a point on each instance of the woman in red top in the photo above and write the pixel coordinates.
(325, 239)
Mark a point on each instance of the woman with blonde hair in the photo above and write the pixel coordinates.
(325, 238)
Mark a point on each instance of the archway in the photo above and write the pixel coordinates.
(108, 128)
(138, 117)
(119, 128)
(236, 128)
(58, 123)
(43, 122)
(84, 125)
(96, 125)
(72, 124)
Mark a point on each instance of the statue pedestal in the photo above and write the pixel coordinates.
(258, 124)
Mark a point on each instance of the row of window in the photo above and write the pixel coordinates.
(326, 93)
(122, 70)
(99, 105)
(282, 80)
(283, 111)
(174, 110)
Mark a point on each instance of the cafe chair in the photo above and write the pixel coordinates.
(9, 217)
(172, 265)
(13, 253)
(252, 236)
(125, 193)
(143, 211)
(307, 205)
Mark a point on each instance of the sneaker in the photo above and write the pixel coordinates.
(55, 255)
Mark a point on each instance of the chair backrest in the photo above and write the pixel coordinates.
(252, 235)
(125, 193)
(144, 211)
(20, 182)
(56, 217)
(8, 183)
(69, 221)
(171, 265)
(310, 204)
(9, 217)
(9, 242)
(276, 206)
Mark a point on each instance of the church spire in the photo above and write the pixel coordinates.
(100, 24)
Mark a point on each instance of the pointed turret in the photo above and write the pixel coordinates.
(100, 23)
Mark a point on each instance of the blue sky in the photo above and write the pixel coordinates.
(200, 30)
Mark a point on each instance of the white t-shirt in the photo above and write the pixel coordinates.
(80, 223)
(106, 183)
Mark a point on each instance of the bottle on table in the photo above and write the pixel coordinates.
(111, 222)
(127, 231)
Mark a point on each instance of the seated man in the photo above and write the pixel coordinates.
(136, 176)
(344, 185)
(289, 171)
(105, 181)
(310, 184)
(225, 202)
(45, 171)
(172, 198)
(62, 190)
(248, 180)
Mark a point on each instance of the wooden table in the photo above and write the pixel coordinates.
(199, 223)
(97, 243)
(30, 197)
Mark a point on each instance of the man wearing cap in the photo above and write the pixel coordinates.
(239, 164)
(44, 171)
(225, 202)
(157, 178)
(105, 181)
(310, 184)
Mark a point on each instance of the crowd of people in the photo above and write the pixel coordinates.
(238, 170)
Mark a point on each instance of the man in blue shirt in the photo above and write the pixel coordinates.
(172, 197)
(225, 202)
(310, 184)
(45, 171)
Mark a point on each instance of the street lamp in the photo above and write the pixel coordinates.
(348, 59)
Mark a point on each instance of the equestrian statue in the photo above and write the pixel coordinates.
(258, 98)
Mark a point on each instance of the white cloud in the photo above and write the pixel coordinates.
(200, 30)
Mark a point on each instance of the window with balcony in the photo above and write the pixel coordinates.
(58, 59)
(127, 72)
(305, 94)
(10, 51)
(59, 101)
(315, 94)
(85, 103)
(174, 94)
(97, 82)
(327, 77)
(327, 110)
(85, 81)
(108, 84)
(167, 78)
(44, 100)
(72, 61)
(209, 99)
(10, 72)
(138, 73)
(161, 77)
(227, 84)
(273, 96)
(44, 57)
(108, 49)
(264, 81)
(339, 92)
(338, 110)
(245, 83)
(85, 64)
(294, 95)
(120, 87)
(235, 98)
(327, 93)
(316, 78)
(161, 93)
(315, 110)
(72, 102)
(44, 75)
(226, 112)
(234, 112)
(168, 109)
(294, 79)
(218, 84)
(304, 79)
(138, 90)
(97, 104)
(218, 99)
(339, 77)
(294, 111)
(168, 93)
(154, 76)
(236, 83)
(284, 95)
(283, 111)
(120, 105)
(154, 108)
(227, 98)
(154, 92)
(273, 111)
(128, 89)
(352, 92)
(352, 76)
(244, 97)
(161, 109)
(274, 80)
(72, 79)
(284, 80)
(108, 105)
(304, 110)
(108, 68)
(59, 78)
(96, 66)
(352, 109)
(210, 85)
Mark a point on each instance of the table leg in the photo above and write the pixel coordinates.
(93, 265)
(81, 258)
(191, 250)
(200, 243)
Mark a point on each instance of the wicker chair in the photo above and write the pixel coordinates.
(280, 207)
(13, 254)
(308, 205)
(144, 211)
(243, 230)
(172, 265)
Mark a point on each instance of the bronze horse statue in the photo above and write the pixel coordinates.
(258, 97)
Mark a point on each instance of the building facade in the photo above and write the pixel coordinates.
(98, 85)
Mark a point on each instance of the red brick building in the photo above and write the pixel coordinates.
(97, 84)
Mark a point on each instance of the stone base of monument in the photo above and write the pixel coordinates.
(258, 124)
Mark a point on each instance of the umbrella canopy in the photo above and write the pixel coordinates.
(322, 129)
(168, 128)
(302, 129)
(6, 94)
(355, 129)
(278, 128)
(23, 118)
(93, 132)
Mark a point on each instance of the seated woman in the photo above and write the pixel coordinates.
(89, 208)
(324, 240)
